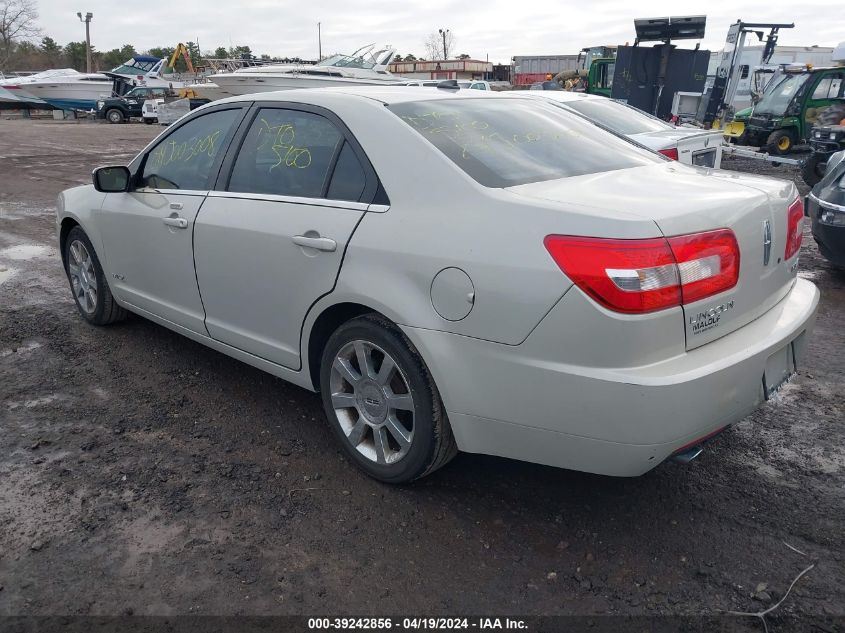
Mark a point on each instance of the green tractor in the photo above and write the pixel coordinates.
(789, 107)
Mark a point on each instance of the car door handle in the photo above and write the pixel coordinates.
(179, 223)
(320, 243)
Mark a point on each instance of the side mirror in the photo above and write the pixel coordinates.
(112, 179)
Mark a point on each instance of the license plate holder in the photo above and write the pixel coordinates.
(780, 368)
(705, 158)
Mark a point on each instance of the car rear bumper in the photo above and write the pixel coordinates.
(513, 402)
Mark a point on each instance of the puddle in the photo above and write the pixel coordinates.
(6, 274)
(21, 210)
(23, 252)
(22, 349)
(38, 402)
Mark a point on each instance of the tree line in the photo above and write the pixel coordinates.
(22, 50)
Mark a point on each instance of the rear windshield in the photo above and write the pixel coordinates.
(620, 118)
(508, 142)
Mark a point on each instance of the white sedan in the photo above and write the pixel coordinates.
(455, 270)
(689, 145)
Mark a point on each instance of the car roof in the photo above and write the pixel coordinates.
(384, 94)
(564, 96)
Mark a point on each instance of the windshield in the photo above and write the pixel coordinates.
(507, 142)
(618, 117)
(346, 61)
(780, 92)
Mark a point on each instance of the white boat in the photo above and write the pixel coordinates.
(65, 88)
(364, 67)
(69, 89)
(141, 70)
(14, 89)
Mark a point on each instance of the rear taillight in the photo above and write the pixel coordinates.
(708, 263)
(671, 152)
(637, 276)
(794, 228)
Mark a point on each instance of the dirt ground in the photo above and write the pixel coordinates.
(142, 473)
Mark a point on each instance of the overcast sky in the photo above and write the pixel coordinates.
(493, 28)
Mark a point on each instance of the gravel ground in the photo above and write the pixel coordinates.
(143, 473)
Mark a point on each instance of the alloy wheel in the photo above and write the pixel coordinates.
(83, 277)
(372, 400)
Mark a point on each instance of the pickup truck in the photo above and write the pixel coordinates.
(121, 109)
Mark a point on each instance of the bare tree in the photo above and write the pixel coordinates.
(17, 22)
(440, 44)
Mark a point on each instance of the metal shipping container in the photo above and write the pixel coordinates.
(542, 64)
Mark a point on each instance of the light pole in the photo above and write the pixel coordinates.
(443, 34)
(87, 20)
(319, 42)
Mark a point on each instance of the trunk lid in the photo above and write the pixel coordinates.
(695, 147)
(682, 200)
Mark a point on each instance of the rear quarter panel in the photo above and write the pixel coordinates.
(439, 217)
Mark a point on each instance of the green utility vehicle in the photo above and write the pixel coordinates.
(594, 74)
(788, 109)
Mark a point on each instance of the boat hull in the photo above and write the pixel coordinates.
(70, 95)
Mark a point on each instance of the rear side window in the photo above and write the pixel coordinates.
(506, 142)
(286, 153)
(348, 178)
(184, 159)
(620, 118)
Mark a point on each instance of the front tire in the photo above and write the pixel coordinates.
(115, 116)
(780, 143)
(88, 283)
(382, 402)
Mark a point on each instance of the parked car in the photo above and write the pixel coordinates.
(690, 145)
(826, 208)
(464, 84)
(455, 270)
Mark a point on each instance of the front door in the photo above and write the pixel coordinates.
(147, 232)
(271, 244)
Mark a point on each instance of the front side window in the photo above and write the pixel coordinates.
(822, 88)
(286, 153)
(506, 142)
(183, 160)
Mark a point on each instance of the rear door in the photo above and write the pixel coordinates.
(270, 241)
(147, 231)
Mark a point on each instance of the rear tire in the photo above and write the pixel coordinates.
(388, 415)
(88, 284)
(813, 169)
(780, 142)
(115, 116)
